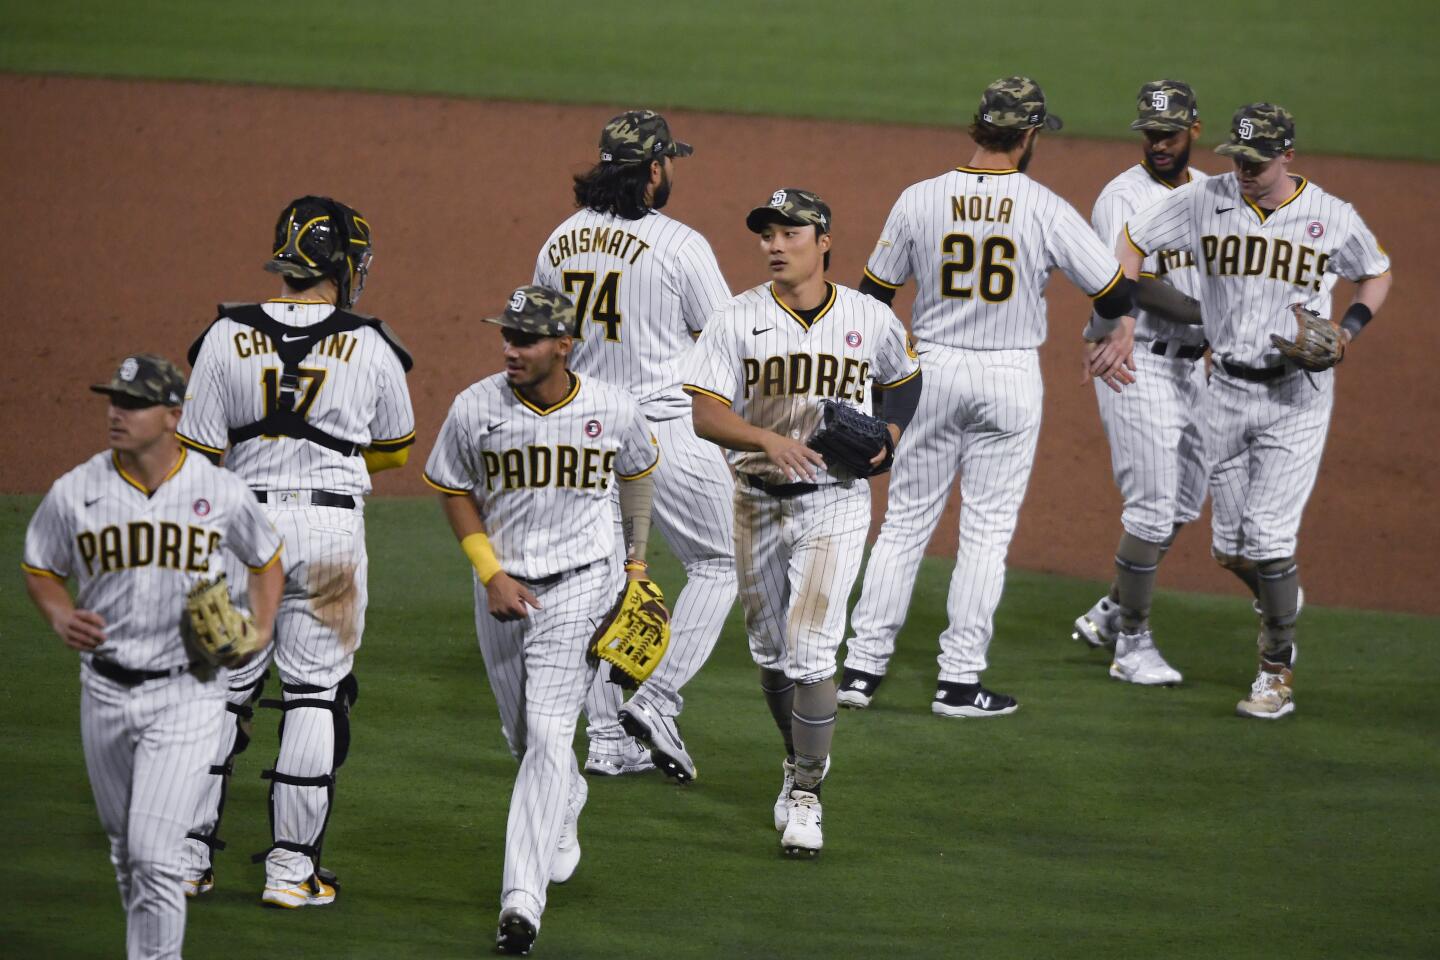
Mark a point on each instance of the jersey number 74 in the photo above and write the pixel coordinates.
(581, 286)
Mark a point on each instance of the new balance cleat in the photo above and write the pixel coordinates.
(614, 758)
(1137, 661)
(1099, 625)
(659, 733)
(802, 838)
(970, 700)
(307, 893)
(857, 688)
(782, 801)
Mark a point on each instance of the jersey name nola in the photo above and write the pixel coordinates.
(799, 373)
(563, 466)
(984, 208)
(1252, 256)
(144, 544)
(611, 240)
(341, 346)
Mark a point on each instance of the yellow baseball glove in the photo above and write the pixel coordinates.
(633, 636)
(223, 634)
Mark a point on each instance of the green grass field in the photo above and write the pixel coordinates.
(1100, 819)
(1359, 77)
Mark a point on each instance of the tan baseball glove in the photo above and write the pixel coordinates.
(1317, 345)
(223, 634)
(633, 636)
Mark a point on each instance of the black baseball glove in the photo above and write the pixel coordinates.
(849, 439)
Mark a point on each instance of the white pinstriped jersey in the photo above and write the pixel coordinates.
(353, 387)
(1129, 193)
(1251, 265)
(641, 288)
(135, 555)
(761, 359)
(542, 477)
(980, 245)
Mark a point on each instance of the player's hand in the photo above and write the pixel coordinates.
(509, 598)
(80, 629)
(1111, 359)
(881, 454)
(637, 570)
(799, 462)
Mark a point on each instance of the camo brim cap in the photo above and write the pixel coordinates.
(1016, 103)
(537, 310)
(1259, 132)
(794, 206)
(639, 136)
(1165, 105)
(148, 377)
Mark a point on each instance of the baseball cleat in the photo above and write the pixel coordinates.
(200, 885)
(307, 893)
(1299, 603)
(1097, 626)
(1272, 694)
(802, 838)
(782, 801)
(857, 688)
(1137, 661)
(970, 700)
(659, 733)
(614, 758)
(567, 851)
(516, 934)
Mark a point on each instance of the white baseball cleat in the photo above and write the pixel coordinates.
(617, 757)
(1137, 661)
(782, 801)
(659, 733)
(567, 851)
(857, 688)
(307, 893)
(802, 838)
(1097, 626)
(200, 885)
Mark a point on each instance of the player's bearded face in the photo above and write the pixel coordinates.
(1029, 153)
(794, 254)
(135, 427)
(530, 359)
(1167, 152)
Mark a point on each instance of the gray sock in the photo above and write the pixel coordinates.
(780, 698)
(1243, 569)
(1279, 595)
(814, 726)
(1136, 561)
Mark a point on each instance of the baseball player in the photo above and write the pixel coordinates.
(1154, 438)
(310, 399)
(1263, 238)
(136, 526)
(643, 286)
(758, 376)
(524, 464)
(980, 242)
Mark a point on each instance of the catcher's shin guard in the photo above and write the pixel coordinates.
(314, 741)
(204, 839)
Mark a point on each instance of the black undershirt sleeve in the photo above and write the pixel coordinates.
(870, 288)
(898, 404)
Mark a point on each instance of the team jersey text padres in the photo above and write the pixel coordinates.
(641, 289)
(542, 477)
(981, 245)
(1123, 197)
(352, 387)
(761, 359)
(135, 553)
(1251, 264)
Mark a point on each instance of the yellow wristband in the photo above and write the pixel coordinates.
(633, 564)
(482, 556)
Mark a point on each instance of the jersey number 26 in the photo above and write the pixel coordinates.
(997, 278)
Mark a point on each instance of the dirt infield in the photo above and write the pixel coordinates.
(133, 208)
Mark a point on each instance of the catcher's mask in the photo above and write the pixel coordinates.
(320, 237)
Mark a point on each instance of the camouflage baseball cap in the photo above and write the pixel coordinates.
(1259, 132)
(794, 206)
(148, 377)
(639, 136)
(1016, 103)
(1165, 105)
(538, 310)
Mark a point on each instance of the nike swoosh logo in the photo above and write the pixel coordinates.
(289, 339)
(1223, 209)
(496, 426)
(91, 503)
(921, 353)
(757, 331)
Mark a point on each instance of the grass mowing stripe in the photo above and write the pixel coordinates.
(1355, 75)
(1100, 817)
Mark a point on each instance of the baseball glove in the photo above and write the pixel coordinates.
(223, 634)
(634, 634)
(1317, 345)
(850, 439)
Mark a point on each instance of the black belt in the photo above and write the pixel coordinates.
(1254, 374)
(781, 490)
(555, 577)
(133, 678)
(1191, 352)
(318, 498)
